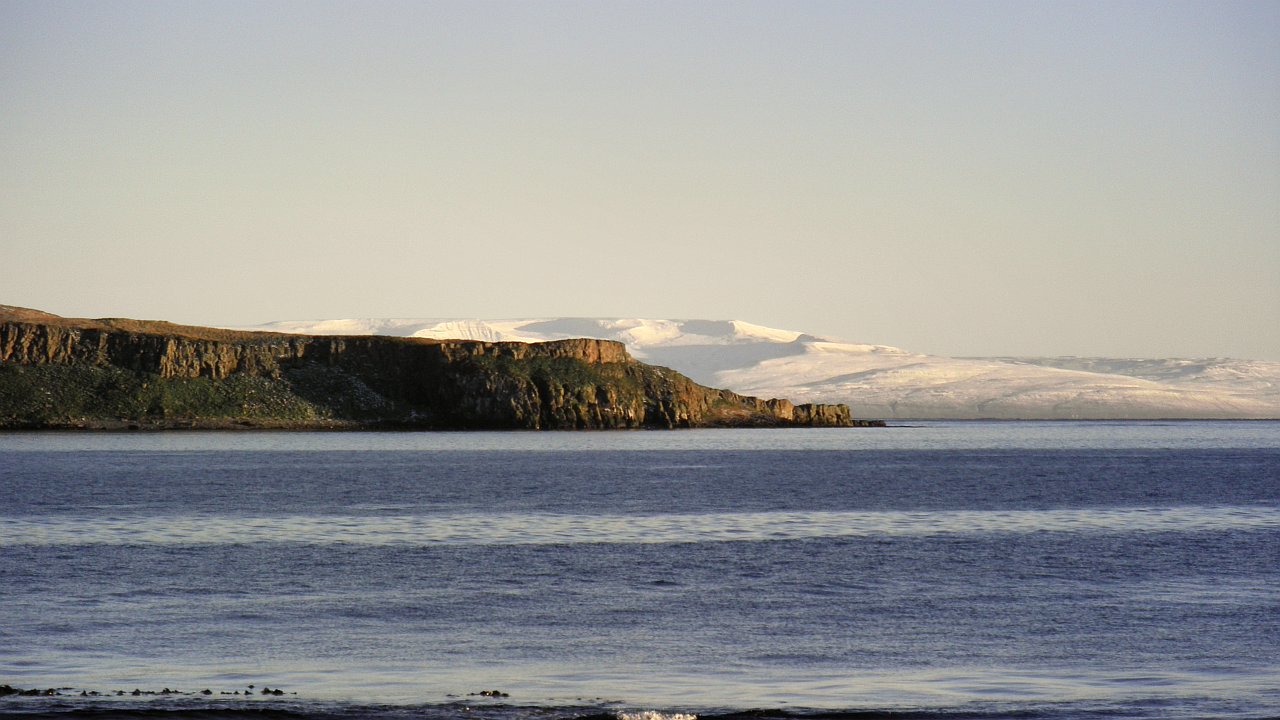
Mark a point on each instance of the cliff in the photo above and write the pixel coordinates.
(59, 372)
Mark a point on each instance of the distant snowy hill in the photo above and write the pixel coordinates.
(884, 382)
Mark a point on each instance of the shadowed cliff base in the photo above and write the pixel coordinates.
(133, 374)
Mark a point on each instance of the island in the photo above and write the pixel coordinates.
(113, 373)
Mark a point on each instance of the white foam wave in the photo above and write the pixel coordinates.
(550, 529)
(655, 715)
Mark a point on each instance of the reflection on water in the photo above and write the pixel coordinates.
(908, 435)
(561, 529)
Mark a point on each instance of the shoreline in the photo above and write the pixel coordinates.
(339, 426)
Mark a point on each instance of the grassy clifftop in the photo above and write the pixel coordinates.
(63, 373)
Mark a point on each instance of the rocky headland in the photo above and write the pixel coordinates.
(60, 372)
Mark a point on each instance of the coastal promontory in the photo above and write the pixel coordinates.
(113, 373)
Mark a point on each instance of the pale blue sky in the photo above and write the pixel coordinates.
(958, 178)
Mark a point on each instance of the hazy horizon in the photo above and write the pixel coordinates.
(962, 179)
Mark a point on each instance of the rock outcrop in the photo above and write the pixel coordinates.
(60, 372)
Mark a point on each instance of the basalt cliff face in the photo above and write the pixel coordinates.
(60, 373)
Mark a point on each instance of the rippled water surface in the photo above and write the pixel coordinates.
(548, 529)
(947, 570)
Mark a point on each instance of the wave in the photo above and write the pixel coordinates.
(555, 529)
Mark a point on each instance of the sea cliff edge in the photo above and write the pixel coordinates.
(65, 373)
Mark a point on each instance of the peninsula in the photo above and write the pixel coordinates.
(58, 372)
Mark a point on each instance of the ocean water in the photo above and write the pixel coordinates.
(942, 570)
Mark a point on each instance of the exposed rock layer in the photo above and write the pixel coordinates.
(59, 372)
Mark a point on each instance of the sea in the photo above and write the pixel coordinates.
(941, 570)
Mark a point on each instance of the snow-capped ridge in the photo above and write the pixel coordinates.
(880, 380)
(471, 330)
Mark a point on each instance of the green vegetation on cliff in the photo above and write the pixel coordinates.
(87, 396)
(61, 373)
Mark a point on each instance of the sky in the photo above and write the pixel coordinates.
(957, 178)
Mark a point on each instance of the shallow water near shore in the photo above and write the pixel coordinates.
(1002, 569)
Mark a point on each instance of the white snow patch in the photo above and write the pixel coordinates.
(472, 330)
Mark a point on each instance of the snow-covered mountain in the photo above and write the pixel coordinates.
(880, 381)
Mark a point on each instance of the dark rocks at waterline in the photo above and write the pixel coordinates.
(7, 690)
(10, 691)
